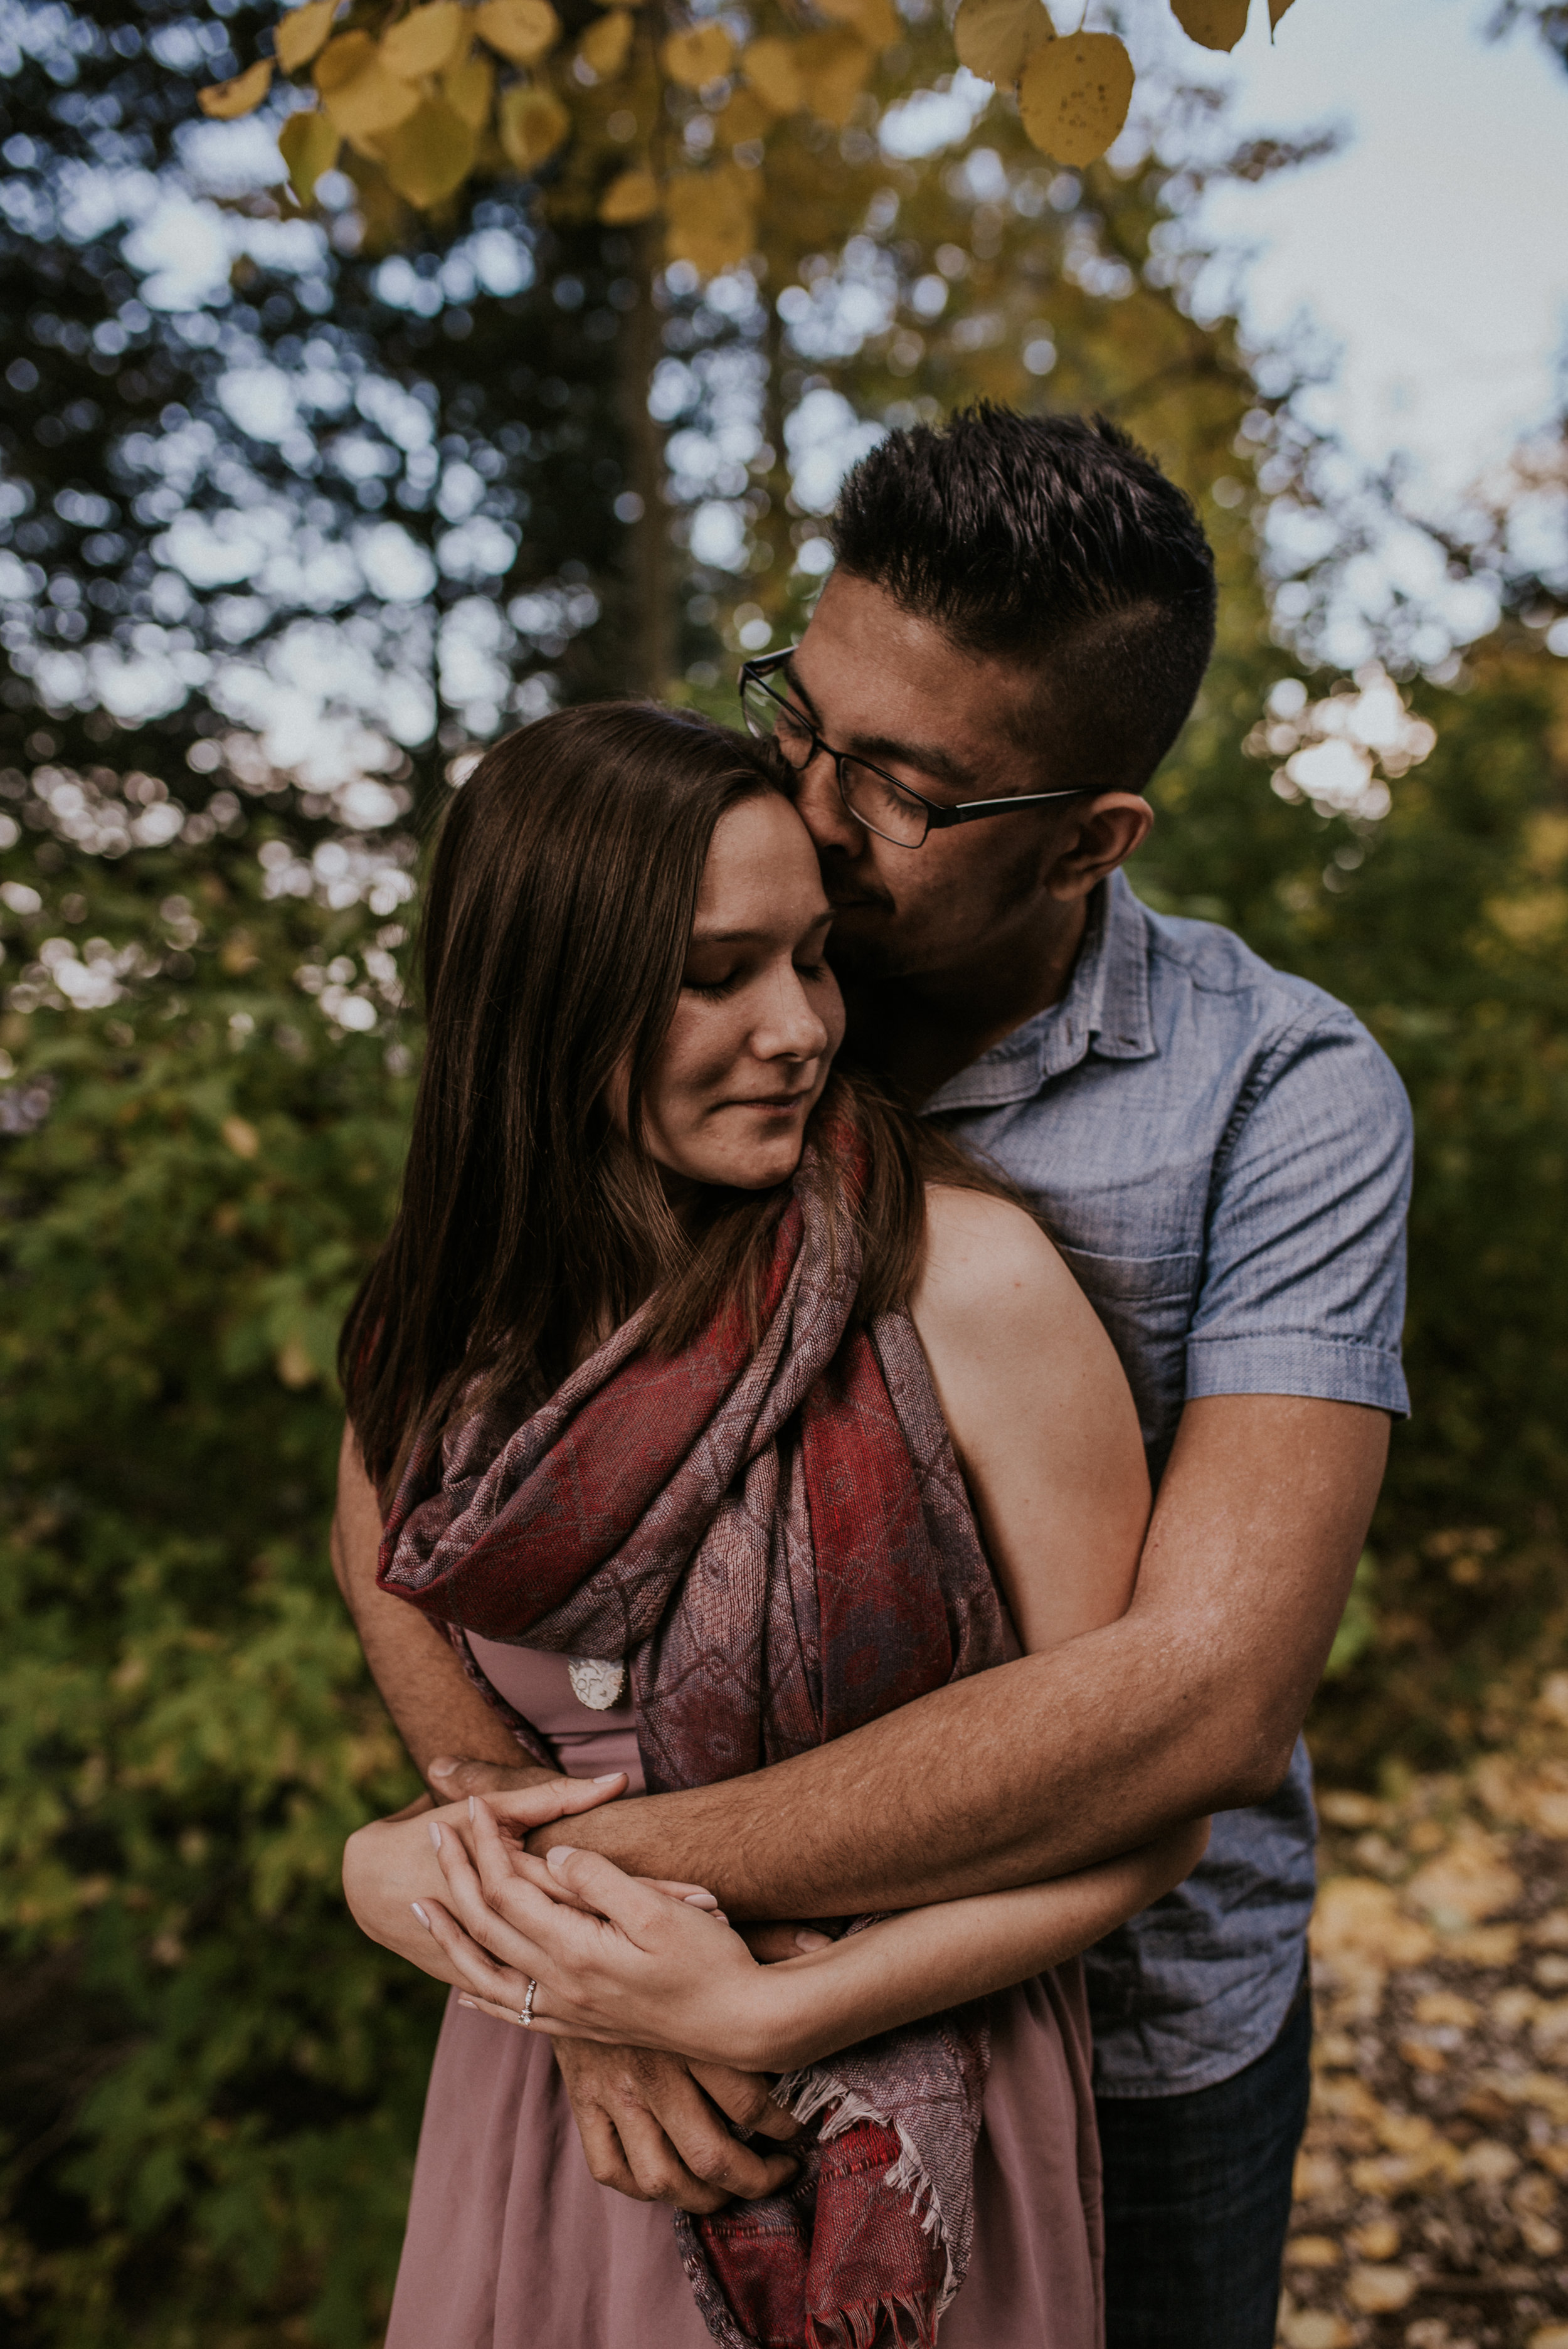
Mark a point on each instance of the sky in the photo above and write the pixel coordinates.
(1433, 249)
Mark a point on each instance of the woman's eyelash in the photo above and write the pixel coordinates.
(716, 990)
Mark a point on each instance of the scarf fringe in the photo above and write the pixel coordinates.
(807, 2093)
(861, 2327)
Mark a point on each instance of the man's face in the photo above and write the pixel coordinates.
(877, 680)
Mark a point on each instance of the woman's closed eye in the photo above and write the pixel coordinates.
(713, 990)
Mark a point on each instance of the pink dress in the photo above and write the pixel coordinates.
(512, 2244)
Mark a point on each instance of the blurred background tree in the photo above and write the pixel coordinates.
(298, 511)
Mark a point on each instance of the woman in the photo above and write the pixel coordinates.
(668, 1369)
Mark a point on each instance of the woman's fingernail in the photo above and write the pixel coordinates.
(471, 1806)
(442, 1767)
(468, 2002)
(699, 1900)
(813, 1940)
(608, 1777)
(420, 1914)
(558, 1855)
(435, 1833)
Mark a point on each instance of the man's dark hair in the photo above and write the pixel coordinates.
(1056, 542)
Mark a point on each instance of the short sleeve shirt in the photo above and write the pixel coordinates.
(1222, 1155)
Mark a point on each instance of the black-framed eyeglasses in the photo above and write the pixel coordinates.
(872, 796)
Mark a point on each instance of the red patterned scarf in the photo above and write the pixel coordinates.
(775, 1537)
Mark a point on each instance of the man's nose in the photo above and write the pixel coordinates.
(819, 804)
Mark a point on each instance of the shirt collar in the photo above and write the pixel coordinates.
(1105, 1010)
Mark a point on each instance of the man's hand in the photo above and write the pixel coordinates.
(649, 2130)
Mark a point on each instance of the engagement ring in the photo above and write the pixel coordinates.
(525, 2013)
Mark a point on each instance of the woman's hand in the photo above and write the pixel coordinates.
(613, 1957)
(390, 1864)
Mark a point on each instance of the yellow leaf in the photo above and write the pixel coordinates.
(1276, 10)
(711, 217)
(770, 65)
(469, 87)
(1214, 24)
(308, 143)
(346, 56)
(430, 155)
(875, 21)
(996, 38)
(743, 119)
(425, 42)
(362, 97)
(1074, 95)
(834, 69)
(293, 1365)
(604, 46)
(385, 221)
(533, 124)
(1377, 2292)
(241, 1136)
(697, 57)
(225, 100)
(631, 196)
(301, 32)
(521, 30)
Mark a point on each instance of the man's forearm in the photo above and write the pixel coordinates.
(420, 1676)
(1029, 1772)
(1189, 1704)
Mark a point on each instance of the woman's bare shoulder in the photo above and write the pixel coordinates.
(985, 1257)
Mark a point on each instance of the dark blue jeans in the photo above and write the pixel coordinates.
(1197, 2200)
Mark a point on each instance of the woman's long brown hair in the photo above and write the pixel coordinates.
(557, 917)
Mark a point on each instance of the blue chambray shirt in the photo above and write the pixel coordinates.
(1222, 1156)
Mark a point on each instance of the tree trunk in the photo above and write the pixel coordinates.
(650, 571)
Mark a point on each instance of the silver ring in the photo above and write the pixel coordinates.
(525, 2013)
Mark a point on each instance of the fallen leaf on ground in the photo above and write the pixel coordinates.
(1377, 2292)
(1446, 2006)
(1468, 1883)
(1488, 2162)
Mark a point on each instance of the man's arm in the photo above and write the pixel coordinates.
(413, 1664)
(1189, 1702)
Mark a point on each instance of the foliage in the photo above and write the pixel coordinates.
(383, 501)
(657, 113)
(189, 1735)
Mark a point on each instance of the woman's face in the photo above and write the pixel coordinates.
(760, 1015)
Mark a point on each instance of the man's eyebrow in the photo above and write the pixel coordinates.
(927, 758)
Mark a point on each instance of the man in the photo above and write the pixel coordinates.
(1021, 612)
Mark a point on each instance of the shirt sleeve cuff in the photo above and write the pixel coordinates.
(1297, 1363)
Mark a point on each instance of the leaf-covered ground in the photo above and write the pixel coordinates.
(1432, 2188)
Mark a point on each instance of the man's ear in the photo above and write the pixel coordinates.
(1108, 831)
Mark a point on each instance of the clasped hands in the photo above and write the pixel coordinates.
(652, 2000)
